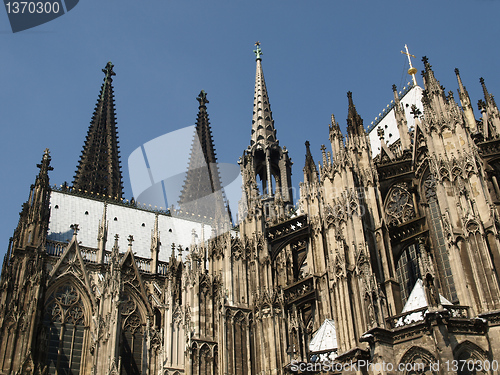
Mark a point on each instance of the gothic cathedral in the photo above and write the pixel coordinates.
(389, 262)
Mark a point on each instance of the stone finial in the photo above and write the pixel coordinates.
(202, 98)
(258, 51)
(75, 229)
(130, 239)
(415, 111)
(323, 153)
(108, 70)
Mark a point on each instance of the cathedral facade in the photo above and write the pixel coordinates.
(388, 264)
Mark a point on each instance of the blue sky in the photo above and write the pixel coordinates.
(165, 52)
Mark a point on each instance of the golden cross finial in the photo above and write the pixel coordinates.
(412, 70)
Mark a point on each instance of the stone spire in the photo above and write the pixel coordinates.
(263, 131)
(99, 170)
(265, 165)
(466, 104)
(202, 192)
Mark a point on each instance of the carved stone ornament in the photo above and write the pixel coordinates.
(429, 187)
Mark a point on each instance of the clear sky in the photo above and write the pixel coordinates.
(165, 52)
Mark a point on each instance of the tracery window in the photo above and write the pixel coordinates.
(408, 271)
(132, 339)
(399, 205)
(442, 259)
(64, 322)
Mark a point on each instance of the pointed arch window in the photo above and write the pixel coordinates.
(132, 340)
(442, 260)
(64, 324)
(408, 271)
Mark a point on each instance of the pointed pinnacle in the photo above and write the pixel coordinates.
(487, 96)
(459, 79)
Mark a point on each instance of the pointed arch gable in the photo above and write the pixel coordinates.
(71, 263)
(132, 279)
(142, 306)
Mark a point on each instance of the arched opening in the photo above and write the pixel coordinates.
(418, 361)
(475, 359)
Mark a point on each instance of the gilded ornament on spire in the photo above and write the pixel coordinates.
(258, 51)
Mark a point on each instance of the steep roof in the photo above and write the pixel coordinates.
(417, 298)
(325, 337)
